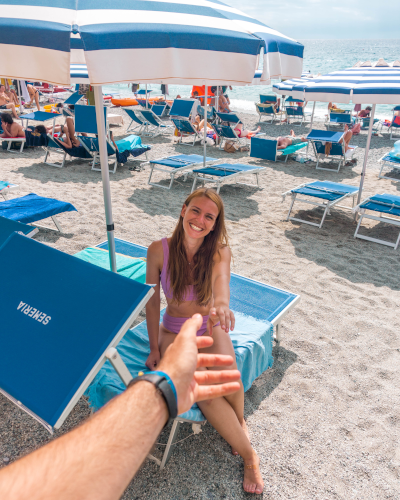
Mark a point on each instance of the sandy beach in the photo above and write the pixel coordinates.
(325, 420)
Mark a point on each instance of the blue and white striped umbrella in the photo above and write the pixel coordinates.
(360, 85)
(179, 41)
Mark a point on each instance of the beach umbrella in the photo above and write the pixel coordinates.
(366, 82)
(184, 42)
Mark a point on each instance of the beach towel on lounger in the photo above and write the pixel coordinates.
(31, 208)
(130, 267)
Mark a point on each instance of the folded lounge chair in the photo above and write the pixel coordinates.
(383, 204)
(185, 129)
(267, 149)
(176, 165)
(330, 194)
(8, 227)
(391, 162)
(31, 208)
(319, 138)
(258, 309)
(223, 172)
(65, 331)
(6, 187)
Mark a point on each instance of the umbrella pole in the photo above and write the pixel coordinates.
(101, 130)
(146, 95)
(364, 169)
(205, 124)
(311, 124)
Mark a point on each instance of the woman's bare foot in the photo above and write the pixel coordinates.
(258, 129)
(292, 133)
(246, 431)
(253, 481)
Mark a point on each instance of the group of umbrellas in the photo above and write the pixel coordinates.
(192, 42)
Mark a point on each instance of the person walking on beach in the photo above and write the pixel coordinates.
(193, 267)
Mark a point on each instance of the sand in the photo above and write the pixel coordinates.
(325, 419)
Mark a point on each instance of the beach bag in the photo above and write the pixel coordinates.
(230, 147)
(177, 133)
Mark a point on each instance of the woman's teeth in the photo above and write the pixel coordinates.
(195, 228)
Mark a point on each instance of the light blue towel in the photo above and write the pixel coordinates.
(130, 142)
(252, 341)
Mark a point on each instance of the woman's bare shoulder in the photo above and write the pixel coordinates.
(155, 248)
(223, 253)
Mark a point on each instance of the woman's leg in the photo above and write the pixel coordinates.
(37, 100)
(226, 415)
(250, 133)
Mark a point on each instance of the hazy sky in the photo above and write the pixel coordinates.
(305, 19)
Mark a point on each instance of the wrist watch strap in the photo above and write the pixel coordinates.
(164, 384)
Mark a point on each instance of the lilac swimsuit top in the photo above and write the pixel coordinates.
(165, 281)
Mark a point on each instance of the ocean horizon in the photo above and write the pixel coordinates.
(320, 56)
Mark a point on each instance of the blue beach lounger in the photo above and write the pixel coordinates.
(31, 208)
(230, 118)
(223, 172)
(186, 128)
(267, 149)
(73, 99)
(181, 108)
(8, 227)
(154, 126)
(258, 308)
(135, 118)
(227, 133)
(338, 119)
(319, 138)
(176, 165)
(294, 111)
(385, 203)
(391, 162)
(6, 187)
(160, 110)
(60, 331)
(330, 194)
(211, 113)
(55, 146)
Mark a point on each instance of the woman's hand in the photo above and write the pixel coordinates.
(153, 360)
(222, 314)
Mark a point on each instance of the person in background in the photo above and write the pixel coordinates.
(245, 133)
(289, 140)
(34, 95)
(99, 458)
(10, 127)
(364, 113)
(5, 102)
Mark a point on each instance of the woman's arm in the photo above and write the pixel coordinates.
(153, 267)
(7, 132)
(221, 293)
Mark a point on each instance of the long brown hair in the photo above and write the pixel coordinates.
(178, 266)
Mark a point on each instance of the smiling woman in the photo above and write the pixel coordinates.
(193, 267)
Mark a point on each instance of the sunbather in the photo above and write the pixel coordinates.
(194, 269)
(223, 103)
(276, 105)
(10, 127)
(245, 133)
(5, 101)
(364, 113)
(289, 140)
(34, 95)
(199, 124)
(12, 95)
(70, 140)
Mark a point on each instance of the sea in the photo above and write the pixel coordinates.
(320, 56)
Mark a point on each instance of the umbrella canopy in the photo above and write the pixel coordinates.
(185, 42)
(366, 82)
(377, 83)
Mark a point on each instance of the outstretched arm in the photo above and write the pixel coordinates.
(98, 459)
(153, 267)
(221, 277)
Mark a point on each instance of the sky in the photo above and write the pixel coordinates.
(321, 19)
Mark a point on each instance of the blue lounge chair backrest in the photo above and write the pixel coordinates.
(85, 119)
(51, 317)
(224, 131)
(210, 112)
(268, 98)
(133, 116)
(8, 227)
(336, 149)
(158, 109)
(294, 111)
(39, 116)
(76, 152)
(181, 108)
(340, 117)
(267, 110)
(149, 116)
(263, 148)
(184, 126)
(73, 98)
(231, 118)
(143, 92)
(92, 144)
(142, 102)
